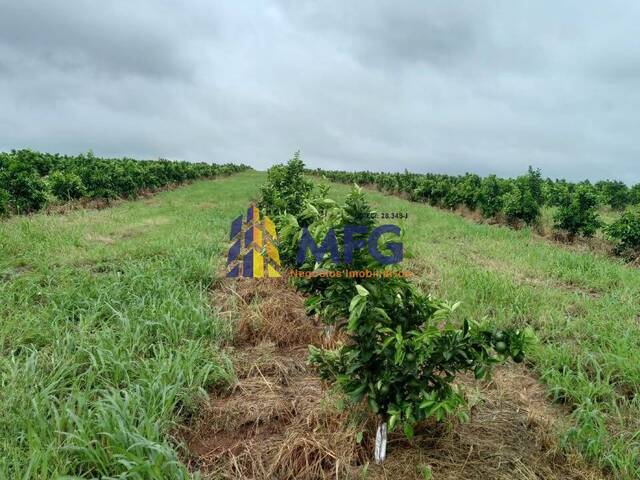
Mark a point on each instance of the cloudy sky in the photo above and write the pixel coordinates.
(441, 86)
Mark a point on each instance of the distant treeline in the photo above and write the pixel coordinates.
(30, 180)
(517, 201)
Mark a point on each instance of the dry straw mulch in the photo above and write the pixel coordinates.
(279, 422)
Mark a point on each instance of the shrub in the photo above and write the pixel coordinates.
(634, 194)
(532, 183)
(439, 191)
(554, 192)
(330, 297)
(490, 196)
(519, 205)
(614, 193)
(66, 186)
(4, 202)
(625, 233)
(36, 162)
(28, 191)
(23, 173)
(286, 189)
(398, 359)
(99, 181)
(577, 213)
(469, 190)
(401, 363)
(403, 351)
(451, 197)
(423, 190)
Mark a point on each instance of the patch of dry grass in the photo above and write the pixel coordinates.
(278, 420)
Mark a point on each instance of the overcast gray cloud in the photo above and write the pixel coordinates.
(441, 86)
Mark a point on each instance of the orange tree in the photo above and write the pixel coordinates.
(404, 349)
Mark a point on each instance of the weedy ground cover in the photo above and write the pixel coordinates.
(107, 336)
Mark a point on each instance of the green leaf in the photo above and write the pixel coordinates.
(373, 405)
(427, 474)
(354, 301)
(362, 291)
(399, 355)
(393, 420)
(356, 395)
(355, 315)
(408, 430)
(383, 313)
(427, 405)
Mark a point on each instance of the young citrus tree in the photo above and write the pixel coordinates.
(613, 193)
(490, 196)
(404, 354)
(404, 351)
(520, 205)
(577, 212)
(286, 189)
(625, 233)
(66, 186)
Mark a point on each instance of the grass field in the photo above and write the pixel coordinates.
(106, 330)
(108, 337)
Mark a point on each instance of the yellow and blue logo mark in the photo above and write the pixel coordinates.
(253, 253)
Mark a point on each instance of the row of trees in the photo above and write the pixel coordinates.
(29, 180)
(518, 201)
(404, 351)
(454, 190)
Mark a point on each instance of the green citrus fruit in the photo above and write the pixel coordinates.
(501, 347)
(499, 336)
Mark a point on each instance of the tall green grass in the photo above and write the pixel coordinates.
(107, 334)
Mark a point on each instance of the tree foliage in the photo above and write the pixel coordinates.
(490, 196)
(286, 188)
(404, 349)
(577, 212)
(613, 193)
(31, 179)
(66, 185)
(625, 233)
(514, 201)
